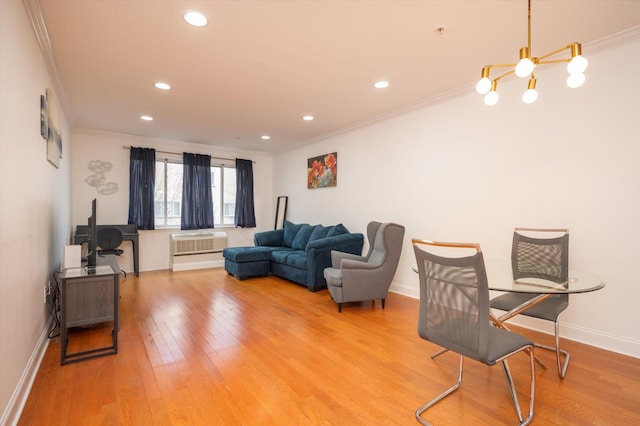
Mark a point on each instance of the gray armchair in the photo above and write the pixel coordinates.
(354, 278)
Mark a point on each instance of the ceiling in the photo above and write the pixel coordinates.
(259, 66)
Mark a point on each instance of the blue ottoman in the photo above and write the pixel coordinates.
(245, 262)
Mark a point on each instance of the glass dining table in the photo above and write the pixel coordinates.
(500, 278)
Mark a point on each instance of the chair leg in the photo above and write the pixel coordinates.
(339, 307)
(440, 397)
(562, 366)
(383, 303)
(514, 397)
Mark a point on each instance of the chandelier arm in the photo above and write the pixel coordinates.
(555, 52)
(554, 61)
(501, 76)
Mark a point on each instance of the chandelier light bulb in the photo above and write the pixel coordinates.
(576, 80)
(491, 98)
(484, 86)
(524, 67)
(530, 96)
(577, 65)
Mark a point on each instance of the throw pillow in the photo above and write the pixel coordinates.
(302, 237)
(339, 229)
(290, 232)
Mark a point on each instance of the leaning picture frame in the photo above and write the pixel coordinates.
(281, 212)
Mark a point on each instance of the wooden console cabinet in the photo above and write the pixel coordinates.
(89, 295)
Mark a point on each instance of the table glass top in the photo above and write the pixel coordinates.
(500, 277)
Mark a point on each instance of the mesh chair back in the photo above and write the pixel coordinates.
(454, 302)
(545, 258)
(109, 238)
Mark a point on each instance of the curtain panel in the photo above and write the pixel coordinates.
(197, 201)
(245, 215)
(142, 177)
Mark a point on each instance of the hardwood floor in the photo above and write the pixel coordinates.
(202, 348)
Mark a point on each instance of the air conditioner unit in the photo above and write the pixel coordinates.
(197, 250)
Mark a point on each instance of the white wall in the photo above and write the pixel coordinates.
(461, 171)
(113, 209)
(34, 207)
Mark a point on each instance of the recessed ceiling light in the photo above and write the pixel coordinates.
(146, 118)
(381, 84)
(308, 117)
(265, 137)
(162, 86)
(195, 18)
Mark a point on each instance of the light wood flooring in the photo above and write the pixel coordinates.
(202, 348)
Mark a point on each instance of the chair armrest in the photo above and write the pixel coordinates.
(269, 238)
(356, 264)
(338, 256)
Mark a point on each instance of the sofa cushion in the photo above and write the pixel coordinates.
(247, 254)
(319, 232)
(290, 232)
(280, 256)
(298, 259)
(302, 237)
(339, 229)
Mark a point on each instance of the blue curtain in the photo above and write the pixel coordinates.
(142, 177)
(197, 202)
(245, 216)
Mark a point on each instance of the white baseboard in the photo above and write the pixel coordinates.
(197, 265)
(599, 339)
(20, 394)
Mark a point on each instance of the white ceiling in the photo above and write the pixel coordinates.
(259, 66)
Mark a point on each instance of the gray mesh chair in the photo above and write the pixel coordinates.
(354, 278)
(454, 314)
(544, 254)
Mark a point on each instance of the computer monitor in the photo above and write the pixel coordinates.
(92, 242)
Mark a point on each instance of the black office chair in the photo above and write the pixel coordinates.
(109, 239)
(545, 256)
(454, 314)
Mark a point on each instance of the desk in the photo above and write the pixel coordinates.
(129, 233)
(89, 295)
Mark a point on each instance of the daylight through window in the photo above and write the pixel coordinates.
(168, 194)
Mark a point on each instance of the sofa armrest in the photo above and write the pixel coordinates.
(269, 238)
(338, 256)
(319, 256)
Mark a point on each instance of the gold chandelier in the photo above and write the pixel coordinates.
(577, 64)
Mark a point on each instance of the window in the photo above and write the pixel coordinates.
(168, 194)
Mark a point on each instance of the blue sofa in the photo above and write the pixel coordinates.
(298, 252)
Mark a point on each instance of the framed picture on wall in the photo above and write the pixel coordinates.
(44, 117)
(54, 137)
(322, 171)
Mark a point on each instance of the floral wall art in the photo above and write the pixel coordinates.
(99, 177)
(322, 171)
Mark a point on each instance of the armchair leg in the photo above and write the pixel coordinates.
(383, 300)
(339, 307)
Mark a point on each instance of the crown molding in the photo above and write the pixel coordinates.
(34, 13)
